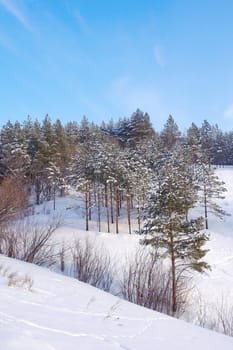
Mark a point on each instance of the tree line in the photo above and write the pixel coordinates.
(113, 164)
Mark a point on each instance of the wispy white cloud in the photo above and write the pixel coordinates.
(159, 56)
(129, 95)
(228, 113)
(74, 12)
(85, 28)
(17, 11)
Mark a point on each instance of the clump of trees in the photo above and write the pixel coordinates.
(167, 224)
(112, 165)
(121, 169)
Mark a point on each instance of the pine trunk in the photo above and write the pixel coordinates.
(87, 207)
(205, 207)
(128, 212)
(117, 208)
(173, 271)
(107, 207)
(99, 209)
(111, 203)
(54, 197)
(89, 210)
(139, 220)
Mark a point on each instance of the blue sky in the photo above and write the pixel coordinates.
(105, 58)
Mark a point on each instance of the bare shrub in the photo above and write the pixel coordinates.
(30, 241)
(215, 315)
(201, 315)
(225, 317)
(92, 264)
(14, 198)
(146, 282)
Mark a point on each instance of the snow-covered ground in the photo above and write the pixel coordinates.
(58, 312)
(219, 281)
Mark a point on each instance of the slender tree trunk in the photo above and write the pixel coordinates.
(128, 212)
(106, 194)
(87, 207)
(131, 201)
(102, 198)
(95, 197)
(173, 270)
(37, 190)
(117, 208)
(139, 220)
(111, 203)
(62, 258)
(120, 199)
(99, 208)
(54, 197)
(107, 207)
(205, 208)
(118, 194)
(89, 203)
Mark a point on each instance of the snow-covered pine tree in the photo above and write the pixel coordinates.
(81, 175)
(207, 140)
(140, 128)
(72, 133)
(167, 227)
(57, 179)
(219, 147)
(211, 189)
(170, 134)
(14, 158)
(61, 145)
(228, 149)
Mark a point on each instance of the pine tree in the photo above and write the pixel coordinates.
(170, 134)
(219, 147)
(72, 134)
(140, 128)
(165, 221)
(14, 158)
(211, 189)
(57, 180)
(207, 140)
(228, 150)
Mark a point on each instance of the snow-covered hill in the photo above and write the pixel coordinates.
(60, 313)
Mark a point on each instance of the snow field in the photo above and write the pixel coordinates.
(60, 313)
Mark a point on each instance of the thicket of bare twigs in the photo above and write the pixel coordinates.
(30, 241)
(217, 316)
(147, 282)
(92, 264)
(14, 198)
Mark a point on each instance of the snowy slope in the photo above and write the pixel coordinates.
(61, 313)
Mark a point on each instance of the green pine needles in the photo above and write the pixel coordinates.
(166, 220)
